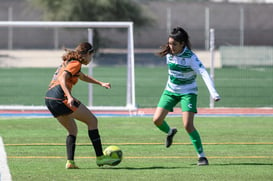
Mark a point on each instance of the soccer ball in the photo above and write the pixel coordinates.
(114, 152)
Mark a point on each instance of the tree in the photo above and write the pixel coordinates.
(93, 10)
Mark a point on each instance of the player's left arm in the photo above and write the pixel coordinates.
(92, 80)
(210, 85)
(199, 68)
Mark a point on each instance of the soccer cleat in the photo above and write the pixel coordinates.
(70, 164)
(106, 160)
(202, 161)
(169, 139)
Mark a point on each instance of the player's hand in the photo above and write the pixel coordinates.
(217, 98)
(70, 101)
(106, 85)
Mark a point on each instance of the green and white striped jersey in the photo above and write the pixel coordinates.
(183, 69)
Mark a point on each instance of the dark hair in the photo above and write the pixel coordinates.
(82, 49)
(178, 34)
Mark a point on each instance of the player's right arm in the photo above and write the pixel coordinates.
(63, 79)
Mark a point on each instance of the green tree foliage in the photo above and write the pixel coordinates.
(93, 10)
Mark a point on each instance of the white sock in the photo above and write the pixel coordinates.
(201, 155)
(170, 131)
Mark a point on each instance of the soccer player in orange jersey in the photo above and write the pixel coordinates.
(66, 108)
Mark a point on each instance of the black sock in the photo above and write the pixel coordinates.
(95, 139)
(70, 146)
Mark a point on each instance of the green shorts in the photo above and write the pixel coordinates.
(169, 100)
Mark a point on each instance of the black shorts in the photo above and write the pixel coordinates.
(57, 104)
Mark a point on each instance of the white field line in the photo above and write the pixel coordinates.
(4, 168)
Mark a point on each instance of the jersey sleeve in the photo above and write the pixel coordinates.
(210, 85)
(73, 67)
(199, 68)
(197, 65)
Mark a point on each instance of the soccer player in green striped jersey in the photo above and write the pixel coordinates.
(183, 67)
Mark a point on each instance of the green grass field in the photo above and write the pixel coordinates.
(238, 148)
(238, 87)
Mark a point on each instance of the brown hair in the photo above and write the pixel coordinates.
(77, 54)
(178, 34)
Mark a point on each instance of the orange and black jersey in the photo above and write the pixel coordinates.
(73, 67)
(55, 99)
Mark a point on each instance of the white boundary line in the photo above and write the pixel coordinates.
(4, 168)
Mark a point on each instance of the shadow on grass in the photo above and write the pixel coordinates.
(251, 164)
(143, 168)
(136, 168)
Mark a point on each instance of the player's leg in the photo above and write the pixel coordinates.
(193, 133)
(72, 130)
(159, 119)
(165, 105)
(188, 118)
(84, 115)
(162, 125)
(189, 109)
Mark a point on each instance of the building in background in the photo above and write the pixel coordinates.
(241, 24)
(244, 1)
